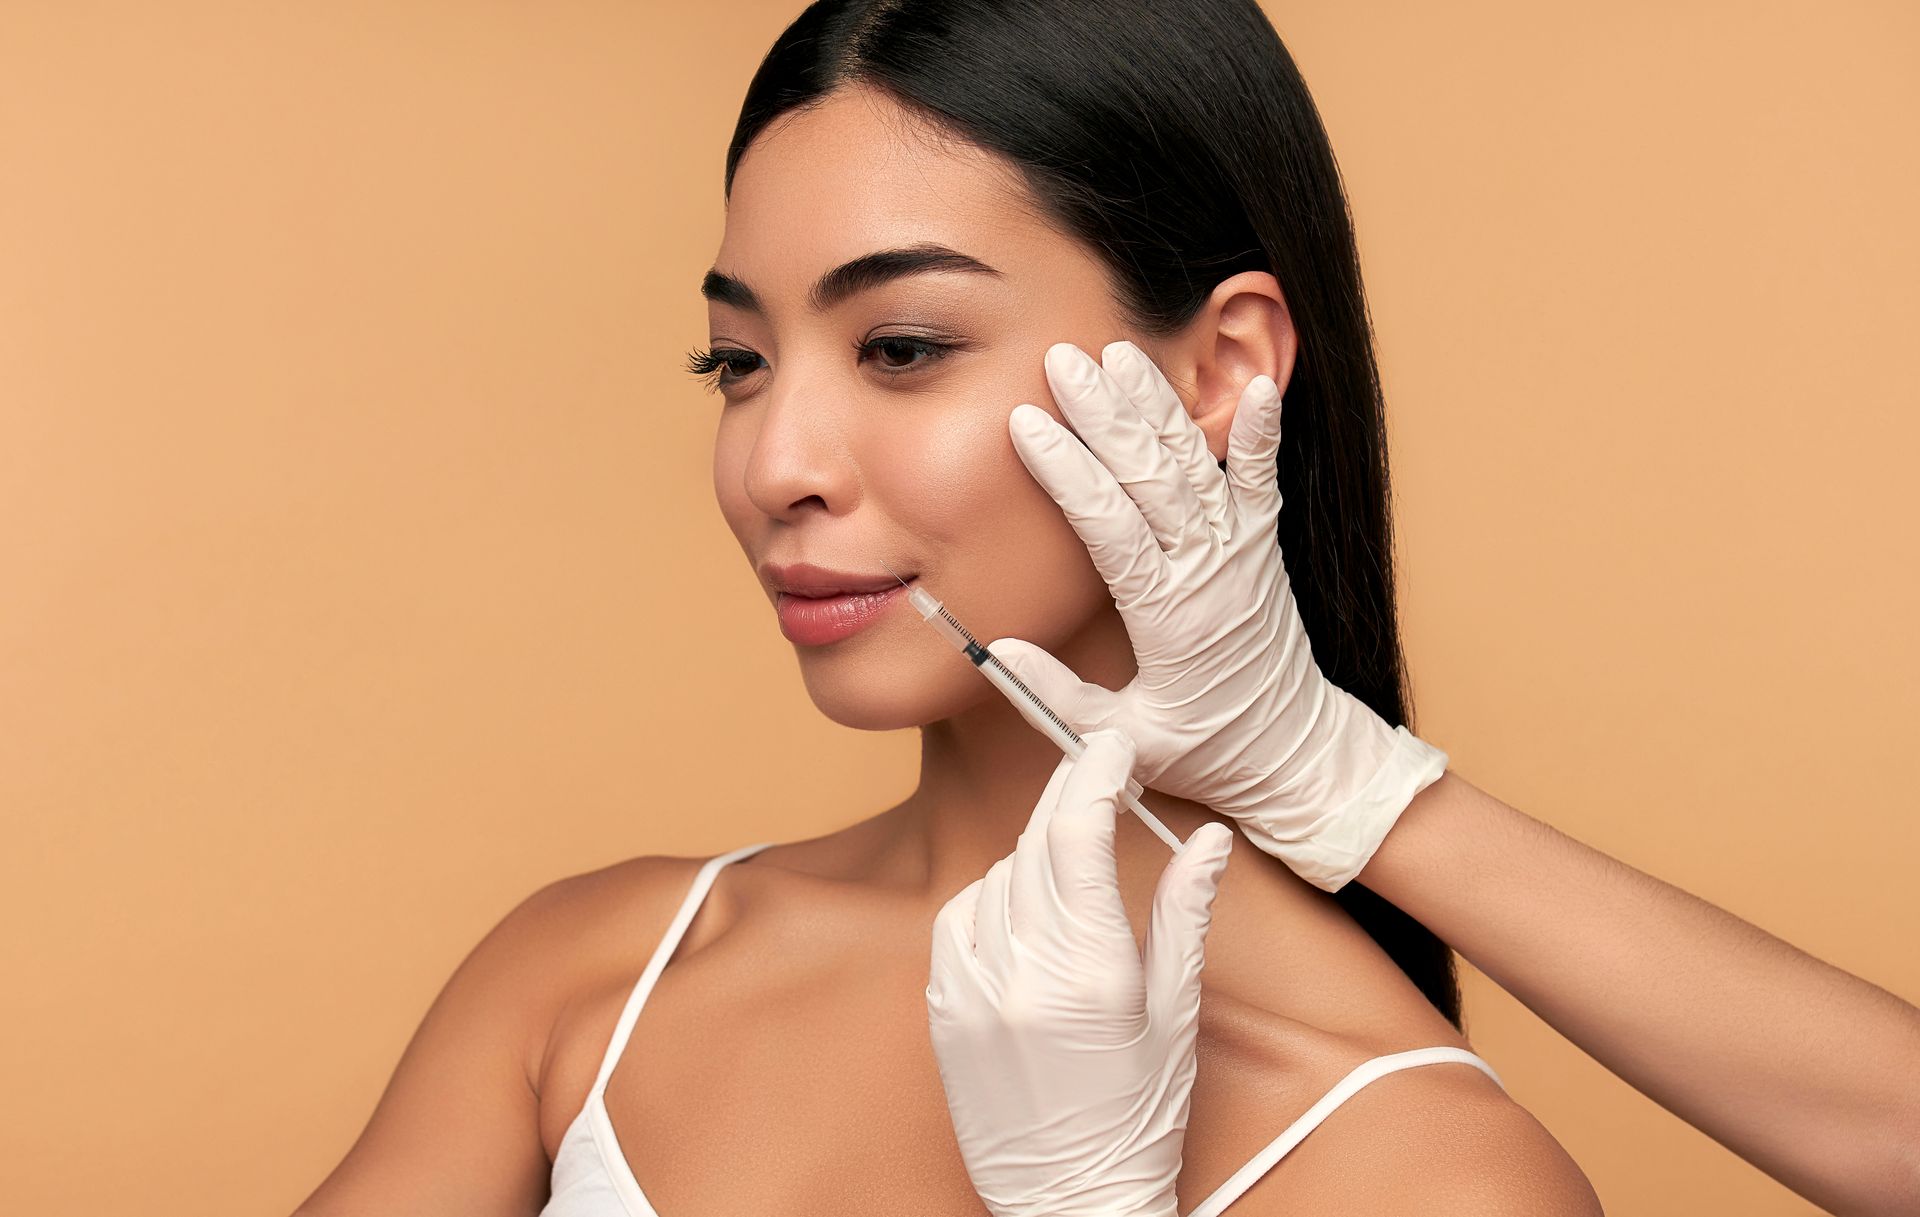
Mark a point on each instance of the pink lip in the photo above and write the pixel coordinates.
(815, 622)
(806, 579)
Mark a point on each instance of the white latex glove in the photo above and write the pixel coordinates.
(1067, 1060)
(1228, 708)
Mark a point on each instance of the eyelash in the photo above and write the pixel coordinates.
(714, 365)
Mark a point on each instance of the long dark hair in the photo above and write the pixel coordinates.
(1179, 143)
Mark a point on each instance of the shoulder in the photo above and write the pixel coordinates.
(558, 940)
(458, 1126)
(598, 909)
(1440, 1140)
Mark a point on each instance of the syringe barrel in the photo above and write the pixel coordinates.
(1048, 726)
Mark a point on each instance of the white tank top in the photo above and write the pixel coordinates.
(591, 1177)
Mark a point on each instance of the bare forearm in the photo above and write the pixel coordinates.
(1806, 1071)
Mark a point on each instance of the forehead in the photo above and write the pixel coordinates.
(859, 173)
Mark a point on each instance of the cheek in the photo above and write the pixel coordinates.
(952, 480)
(996, 547)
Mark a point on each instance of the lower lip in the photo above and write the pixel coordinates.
(810, 622)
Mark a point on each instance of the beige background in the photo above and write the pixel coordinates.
(360, 570)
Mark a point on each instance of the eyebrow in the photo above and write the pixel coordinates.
(851, 278)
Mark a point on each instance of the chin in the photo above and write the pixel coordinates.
(890, 693)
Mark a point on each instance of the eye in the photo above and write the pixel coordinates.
(896, 346)
(717, 366)
(724, 366)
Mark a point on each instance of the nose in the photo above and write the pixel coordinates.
(800, 460)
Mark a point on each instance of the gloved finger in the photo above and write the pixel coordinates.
(1110, 424)
(1032, 901)
(1116, 535)
(992, 930)
(1253, 446)
(1077, 703)
(951, 973)
(1177, 929)
(1080, 835)
(1153, 395)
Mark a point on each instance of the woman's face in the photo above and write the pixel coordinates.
(843, 444)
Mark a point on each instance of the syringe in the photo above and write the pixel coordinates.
(1024, 699)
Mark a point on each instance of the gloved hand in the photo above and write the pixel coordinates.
(1067, 1060)
(1228, 708)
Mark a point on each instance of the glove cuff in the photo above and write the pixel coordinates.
(1342, 842)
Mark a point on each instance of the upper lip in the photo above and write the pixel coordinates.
(805, 579)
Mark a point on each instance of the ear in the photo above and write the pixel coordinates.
(1242, 330)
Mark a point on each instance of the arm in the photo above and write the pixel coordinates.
(1804, 1070)
(456, 1131)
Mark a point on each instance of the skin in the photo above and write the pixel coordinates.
(782, 1063)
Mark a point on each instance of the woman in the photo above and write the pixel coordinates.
(782, 1063)
(1086, 173)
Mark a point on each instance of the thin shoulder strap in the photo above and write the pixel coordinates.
(1343, 1090)
(657, 963)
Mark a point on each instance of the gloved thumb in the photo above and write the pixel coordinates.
(1082, 706)
(1177, 932)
